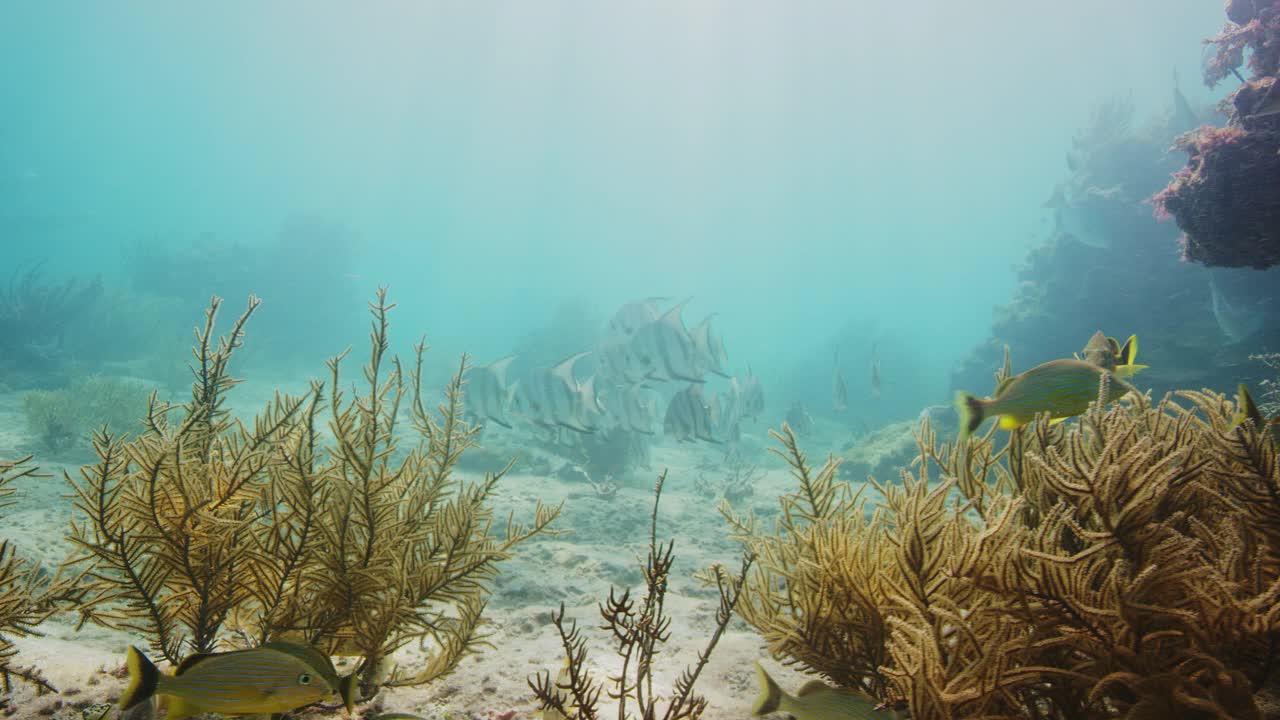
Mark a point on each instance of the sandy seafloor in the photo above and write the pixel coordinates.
(605, 547)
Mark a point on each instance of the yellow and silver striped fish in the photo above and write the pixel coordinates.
(1107, 353)
(274, 678)
(1063, 388)
(818, 701)
(1251, 413)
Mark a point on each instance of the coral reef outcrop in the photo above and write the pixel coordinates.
(1188, 318)
(322, 258)
(880, 453)
(1225, 199)
(36, 315)
(62, 418)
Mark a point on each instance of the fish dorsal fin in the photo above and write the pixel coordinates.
(1096, 341)
(673, 318)
(1004, 383)
(702, 334)
(191, 661)
(1114, 345)
(499, 368)
(813, 687)
(589, 397)
(771, 696)
(309, 655)
(564, 368)
(1128, 352)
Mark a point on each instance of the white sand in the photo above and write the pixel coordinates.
(578, 569)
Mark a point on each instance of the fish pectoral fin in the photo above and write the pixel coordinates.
(179, 709)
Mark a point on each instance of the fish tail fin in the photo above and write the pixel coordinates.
(1124, 372)
(770, 698)
(971, 411)
(1129, 351)
(347, 690)
(144, 679)
(1248, 409)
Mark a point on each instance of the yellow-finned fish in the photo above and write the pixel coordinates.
(273, 678)
(1250, 411)
(818, 701)
(1063, 388)
(1107, 353)
(562, 681)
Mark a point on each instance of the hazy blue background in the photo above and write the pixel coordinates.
(795, 166)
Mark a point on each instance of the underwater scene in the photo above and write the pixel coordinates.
(641, 360)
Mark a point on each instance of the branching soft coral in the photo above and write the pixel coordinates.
(207, 531)
(26, 599)
(1122, 565)
(639, 628)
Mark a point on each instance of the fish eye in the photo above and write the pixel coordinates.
(304, 679)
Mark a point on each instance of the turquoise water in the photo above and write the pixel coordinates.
(794, 168)
(826, 179)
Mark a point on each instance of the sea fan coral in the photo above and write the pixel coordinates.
(639, 629)
(1118, 566)
(206, 531)
(26, 599)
